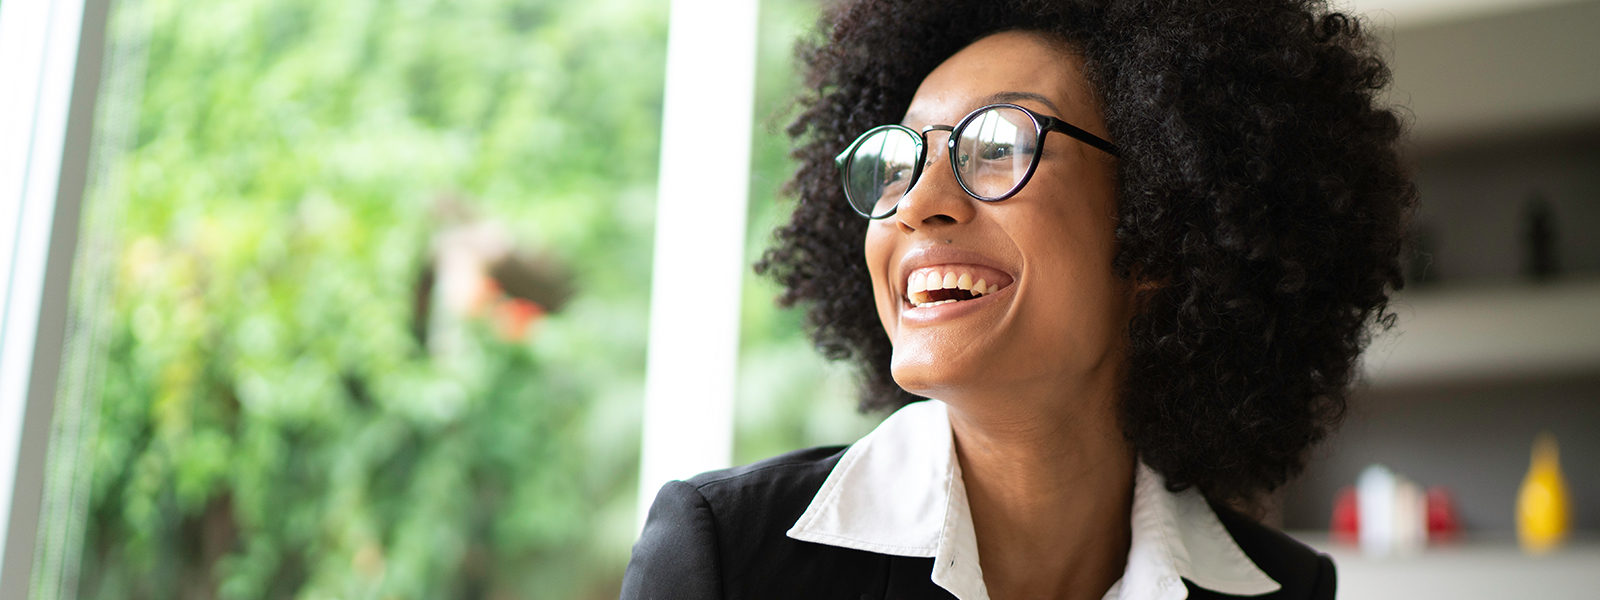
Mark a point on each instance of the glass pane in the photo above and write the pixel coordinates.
(362, 297)
(375, 322)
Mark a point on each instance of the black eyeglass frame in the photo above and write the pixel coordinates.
(1042, 124)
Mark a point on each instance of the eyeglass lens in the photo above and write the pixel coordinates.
(993, 153)
(880, 170)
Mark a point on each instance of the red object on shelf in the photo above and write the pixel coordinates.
(1444, 522)
(1345, 527)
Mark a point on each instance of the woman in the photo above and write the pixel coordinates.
(1136, 281)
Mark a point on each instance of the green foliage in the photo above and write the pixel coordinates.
(272, 426)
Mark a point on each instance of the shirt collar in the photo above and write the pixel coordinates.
(899, 491)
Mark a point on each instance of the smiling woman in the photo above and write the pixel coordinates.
(1058, 310)
(1131, 250)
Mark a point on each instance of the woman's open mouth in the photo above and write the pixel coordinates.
(944, 284)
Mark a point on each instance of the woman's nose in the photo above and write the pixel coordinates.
(936, 200)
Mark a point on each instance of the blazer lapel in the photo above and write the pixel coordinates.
(910, 579)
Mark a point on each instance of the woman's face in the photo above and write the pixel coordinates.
(1059, 315)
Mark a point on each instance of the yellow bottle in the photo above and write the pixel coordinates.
(1542, 513)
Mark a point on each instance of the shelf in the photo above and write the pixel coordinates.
(1489, 568)
(1464, 335)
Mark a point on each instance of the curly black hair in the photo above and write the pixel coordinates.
(1260, 192)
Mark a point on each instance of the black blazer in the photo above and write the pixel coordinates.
(721, 535)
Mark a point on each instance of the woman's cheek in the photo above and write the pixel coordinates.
(879, 250)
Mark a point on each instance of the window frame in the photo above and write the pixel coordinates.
(50, 53)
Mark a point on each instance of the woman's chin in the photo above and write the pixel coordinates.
(931, 378)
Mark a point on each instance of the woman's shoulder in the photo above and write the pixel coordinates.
(759, 499)
(721, 534)
(766, 496)
(796, 474)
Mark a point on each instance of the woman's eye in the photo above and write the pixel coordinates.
(998, 152)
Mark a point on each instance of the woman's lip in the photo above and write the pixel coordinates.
(913, 315)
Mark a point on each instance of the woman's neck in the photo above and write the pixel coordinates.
(1050, 493)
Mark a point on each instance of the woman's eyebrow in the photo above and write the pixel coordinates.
(1000, 97)
(1012, 97)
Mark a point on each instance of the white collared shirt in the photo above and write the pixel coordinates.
(899, 491)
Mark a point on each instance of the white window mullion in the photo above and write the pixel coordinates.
(39, 46)
(698, 267)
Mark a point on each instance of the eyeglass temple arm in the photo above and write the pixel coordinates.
(1054, 124)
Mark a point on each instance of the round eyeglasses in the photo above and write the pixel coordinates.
(993, 152)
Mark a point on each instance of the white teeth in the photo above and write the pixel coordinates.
(921, 282)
